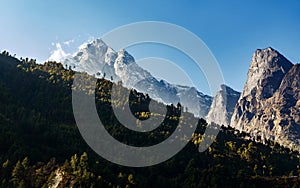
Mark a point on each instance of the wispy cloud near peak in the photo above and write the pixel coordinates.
(58, 54)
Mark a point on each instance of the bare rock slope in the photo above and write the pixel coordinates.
(268, 107)
(223, 106)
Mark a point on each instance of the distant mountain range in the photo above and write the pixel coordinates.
(98, 59)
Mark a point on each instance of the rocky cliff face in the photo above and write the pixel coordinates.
(223, 106)
(268, 107)
(265, 73)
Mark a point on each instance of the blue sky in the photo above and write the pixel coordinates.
(231, 29)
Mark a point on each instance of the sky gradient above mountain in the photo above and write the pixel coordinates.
(232, 30)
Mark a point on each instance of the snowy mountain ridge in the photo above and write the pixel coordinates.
(98, 59)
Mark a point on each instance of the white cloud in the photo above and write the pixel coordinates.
(68, 42)
(90, 39)
(59, 54)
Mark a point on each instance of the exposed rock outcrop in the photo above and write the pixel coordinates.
(223, 106)
(268, 107)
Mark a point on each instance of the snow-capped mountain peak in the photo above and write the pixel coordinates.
(124, 57)
(97, 58)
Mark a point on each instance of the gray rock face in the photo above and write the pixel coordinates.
(223, 106)
(265, 74)
(268, 107)
(280, 117)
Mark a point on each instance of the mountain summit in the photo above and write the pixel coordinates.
(98, 59)
(266, 71)
(223, 106)
(268, 107)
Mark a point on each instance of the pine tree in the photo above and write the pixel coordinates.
(17, 174)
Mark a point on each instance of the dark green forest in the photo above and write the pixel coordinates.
(40, 144)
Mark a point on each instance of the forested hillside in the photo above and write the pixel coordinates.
(40, 145)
